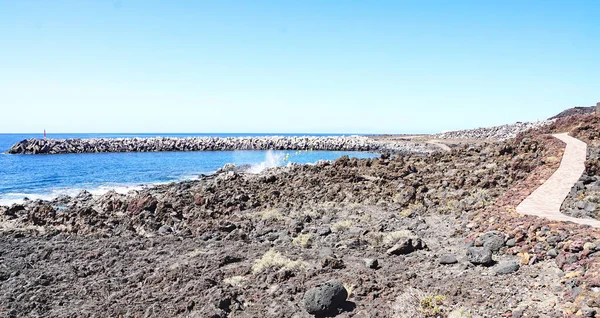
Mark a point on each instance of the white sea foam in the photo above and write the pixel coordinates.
(11, 198)
(18, 197)
(272, 160)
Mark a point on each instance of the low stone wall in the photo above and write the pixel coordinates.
(155, 144)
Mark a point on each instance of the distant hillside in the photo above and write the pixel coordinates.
(575, 111)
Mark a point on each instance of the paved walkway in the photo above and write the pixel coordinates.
(546, 200)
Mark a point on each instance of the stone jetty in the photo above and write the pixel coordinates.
(156, 144)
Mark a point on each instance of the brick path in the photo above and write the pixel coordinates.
(546, 200)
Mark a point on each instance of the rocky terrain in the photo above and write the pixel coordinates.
(493, 133)
(409, 235)
(584, 199)
(575, 111)
(95, 145)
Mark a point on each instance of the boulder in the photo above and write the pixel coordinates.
(448, 259)
(493, 240)
(324, 298)
(479, 255)
(507, 267)
(403, 246)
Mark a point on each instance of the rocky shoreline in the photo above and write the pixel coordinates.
(340, 238)
(410, 235)
(155, 144)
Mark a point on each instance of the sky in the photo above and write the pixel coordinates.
(293, 66)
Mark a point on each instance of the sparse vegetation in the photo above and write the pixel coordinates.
(413, 209)
(387, 239)
(341, 225)
(552, 159)
(414, 303)
(303, 240)
(430, 305)
(460, 313)
(235, 281)
(273, 260)
(451, 206)
(391, 238)
(268, 215)
(592, 198)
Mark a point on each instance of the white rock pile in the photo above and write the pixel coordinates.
(494, 133)
(155, 144)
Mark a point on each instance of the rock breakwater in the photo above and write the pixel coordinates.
(156, 144)
(494, 133)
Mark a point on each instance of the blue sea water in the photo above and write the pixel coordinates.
(47, 176)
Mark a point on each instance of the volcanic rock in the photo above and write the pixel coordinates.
(325, 298)
(479, 255)
(507, 267)
(448, 259)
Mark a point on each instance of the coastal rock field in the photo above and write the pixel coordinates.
(406, 235)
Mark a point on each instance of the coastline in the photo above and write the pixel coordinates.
(251, 168)
(222, 225)
(444, 219)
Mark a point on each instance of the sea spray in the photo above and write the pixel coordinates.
(11, 198)
(272, 160)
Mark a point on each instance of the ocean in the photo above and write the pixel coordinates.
(48, 176)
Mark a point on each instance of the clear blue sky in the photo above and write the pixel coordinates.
(293, 66)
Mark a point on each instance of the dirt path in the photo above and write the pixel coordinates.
(546, 200)
(440, 144)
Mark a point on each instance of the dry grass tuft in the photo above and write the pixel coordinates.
(341, 226)
(273, 260)
(414, 303)
(303, 240)
(268, 215)
(413, 209)
(388, 239)
(235, 281)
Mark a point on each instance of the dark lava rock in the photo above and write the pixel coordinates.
(511, 243)
(493, 240)
(448, 259)
(576, 246)
(418, 244)
(507, 267)
(564, 259)
(588, 312)
(552, 253)
(479, 255)
(332, 262)
(229, 259)
(14, 209)
(325, 298)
